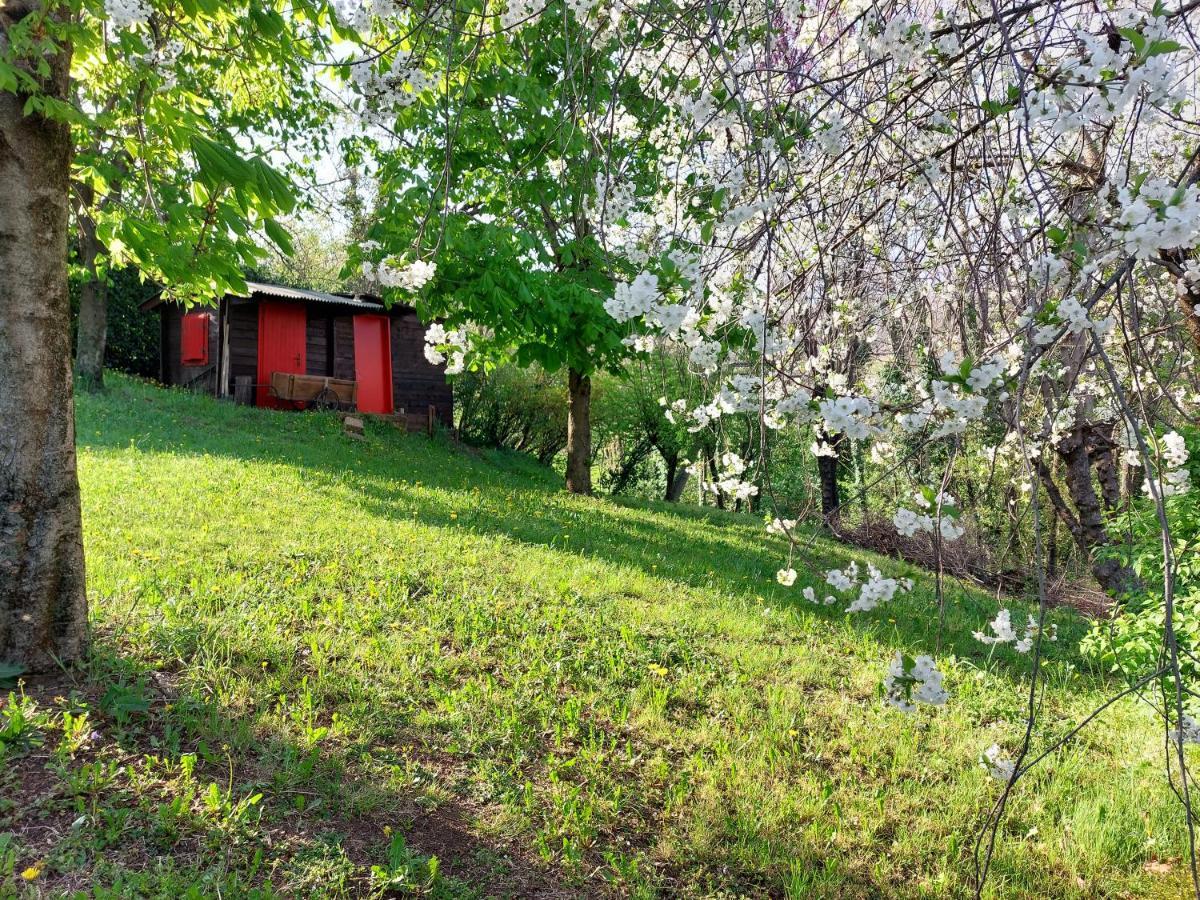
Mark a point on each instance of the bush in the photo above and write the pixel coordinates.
(132, 344)
(519, 409)
(1132, 642)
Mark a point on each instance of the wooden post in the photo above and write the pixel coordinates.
(432, 419)
(243, 390)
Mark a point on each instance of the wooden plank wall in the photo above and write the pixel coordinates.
(417, 384)
(343, 347)
(243, 342)
(316, 340)
(198, 378)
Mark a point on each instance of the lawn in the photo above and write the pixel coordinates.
(333, 668)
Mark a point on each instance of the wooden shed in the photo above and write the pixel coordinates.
(278, 330)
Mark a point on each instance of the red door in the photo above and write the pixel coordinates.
(281, 334)
(373, 363)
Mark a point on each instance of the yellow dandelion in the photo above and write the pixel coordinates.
(32, 873)
(658, 670)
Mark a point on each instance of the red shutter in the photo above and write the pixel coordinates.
(193, 344)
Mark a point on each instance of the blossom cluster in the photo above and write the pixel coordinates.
(442, 346)
(387, 91)
(913, 681)
(997, 764)
(126, 13)
(1158, 215)
(1174, 478)
(950, 403)
(357, 14)
(1004, 633)
(944, 517)
(729, 478)
(1069, 315)
(848, 415)
(520, 12)
(875, 589)
(409, 278)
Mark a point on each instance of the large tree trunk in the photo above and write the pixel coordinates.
(1086, 522)
(93, 311)
(579, 433)
(43, 611)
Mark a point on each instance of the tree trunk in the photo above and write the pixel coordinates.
(43, 609)
(1052, 549)
(677, 480)
(1086, 524)
(1101, 450)
(714, 477)
(1189, 305)
(579, 433)
(93, 312)
(828, 471)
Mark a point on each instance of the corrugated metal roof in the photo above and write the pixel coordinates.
(282, 292)
(258, 288)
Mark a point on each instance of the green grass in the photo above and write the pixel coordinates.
(400, 667)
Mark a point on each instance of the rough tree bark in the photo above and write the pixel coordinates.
(1086, 523)
(579, 433)
(92, 334)
(43, 611)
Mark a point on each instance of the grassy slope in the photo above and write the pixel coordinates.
(554, 696)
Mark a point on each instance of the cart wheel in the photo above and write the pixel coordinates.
(326, 400)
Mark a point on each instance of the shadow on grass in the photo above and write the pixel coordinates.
(509, 496)
(172, 793)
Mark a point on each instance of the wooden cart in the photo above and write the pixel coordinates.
(314, 391)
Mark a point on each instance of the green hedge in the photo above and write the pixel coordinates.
(132, 334)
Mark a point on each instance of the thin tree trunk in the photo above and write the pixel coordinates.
(92, 331)
(579, 433)
(714, 478)
(828, 470)
(1052, 550)
(43, 609)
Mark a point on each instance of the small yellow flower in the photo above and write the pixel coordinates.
(32, 872)
(454, 515)
(658, 670)
(792, 732)
(387, 829)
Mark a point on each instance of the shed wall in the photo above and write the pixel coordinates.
(416, 383)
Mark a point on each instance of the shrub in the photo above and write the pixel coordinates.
(132, 344)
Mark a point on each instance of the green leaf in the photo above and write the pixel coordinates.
(279, 237)
(9, 673)
(1134, 37)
